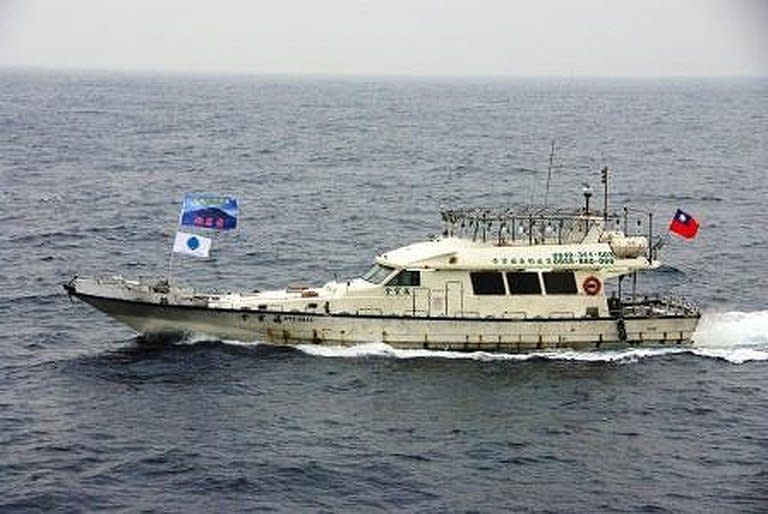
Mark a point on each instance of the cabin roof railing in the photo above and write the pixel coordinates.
(480, 214)
(527, 223)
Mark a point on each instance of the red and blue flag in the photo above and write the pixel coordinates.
(684, 225)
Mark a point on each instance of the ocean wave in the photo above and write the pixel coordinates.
(385, 350)
(733, 355)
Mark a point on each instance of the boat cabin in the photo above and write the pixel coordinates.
(487, 264)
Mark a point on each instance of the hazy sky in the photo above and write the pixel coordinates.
(424, 37)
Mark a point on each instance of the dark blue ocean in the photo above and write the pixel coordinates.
(328, 172)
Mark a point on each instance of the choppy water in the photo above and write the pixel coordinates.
(328, 171)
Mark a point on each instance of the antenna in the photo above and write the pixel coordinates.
(604, 180)
(549, 172)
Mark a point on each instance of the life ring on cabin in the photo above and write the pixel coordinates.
(592, 285)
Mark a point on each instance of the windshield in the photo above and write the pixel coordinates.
(377, 274)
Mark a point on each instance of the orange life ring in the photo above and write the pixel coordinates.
(592, 285)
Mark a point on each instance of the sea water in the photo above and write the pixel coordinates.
(329, 171)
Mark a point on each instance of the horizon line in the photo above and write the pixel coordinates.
(396, 75)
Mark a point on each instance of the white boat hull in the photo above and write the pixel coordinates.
(444, 333)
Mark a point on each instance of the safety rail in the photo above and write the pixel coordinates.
(524, 224)
(655, 306)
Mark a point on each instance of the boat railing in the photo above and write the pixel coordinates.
(525, 225)
(535, 225)
(655, 305)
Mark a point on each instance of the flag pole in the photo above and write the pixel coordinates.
(170, 258)
(170, 267)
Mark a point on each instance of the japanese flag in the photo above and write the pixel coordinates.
(191, 244)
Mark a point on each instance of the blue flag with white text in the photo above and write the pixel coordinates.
(203, 210)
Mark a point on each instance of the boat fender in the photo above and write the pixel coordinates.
(622, 330)
(592, 285)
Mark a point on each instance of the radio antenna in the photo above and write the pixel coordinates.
(549, 172)
(604, 180)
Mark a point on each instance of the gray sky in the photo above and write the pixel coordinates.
(419, 37)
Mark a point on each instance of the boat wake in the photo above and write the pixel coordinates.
(384, 350)
(735, 337)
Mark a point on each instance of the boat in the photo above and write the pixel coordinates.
(522, 279)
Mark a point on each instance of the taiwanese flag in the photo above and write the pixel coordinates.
(684, 225)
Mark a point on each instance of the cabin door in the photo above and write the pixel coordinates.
(454, 298)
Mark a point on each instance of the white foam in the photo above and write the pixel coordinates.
(234, 342)
(732, 355)
(718, 329)
(384, 350)
(736, 337)
(194, 338)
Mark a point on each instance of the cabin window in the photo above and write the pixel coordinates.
(377, 274)
(406, 278)
(560, 282)
(487, 282)
(523, 282)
